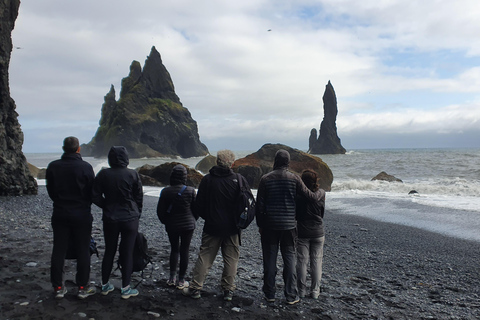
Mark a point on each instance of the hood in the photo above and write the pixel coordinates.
(220, 171)
(118, 157)
(282, 159)
(178, 176)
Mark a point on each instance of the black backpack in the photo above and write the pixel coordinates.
(246, 205)
(141, 258)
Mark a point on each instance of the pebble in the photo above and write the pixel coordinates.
(82, 315)
(156, 315)
(31, 264)
(236, 309)
(24, 304)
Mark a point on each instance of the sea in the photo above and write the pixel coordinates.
(446, 181)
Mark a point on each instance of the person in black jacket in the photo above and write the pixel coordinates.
(275, 215)
(311, 237)
(175, 210)
(118, 191)
(217, 205)
(69, 184)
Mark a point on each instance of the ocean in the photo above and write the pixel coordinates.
(447, 182)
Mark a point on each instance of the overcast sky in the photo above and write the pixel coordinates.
(406, 73)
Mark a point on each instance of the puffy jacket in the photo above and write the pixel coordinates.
(182, 216)
(276, 195)
(69, 184)
(217, 201)
(118, 189)
(310, 217)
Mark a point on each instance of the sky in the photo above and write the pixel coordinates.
(406, 73)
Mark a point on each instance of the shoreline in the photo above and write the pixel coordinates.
(372, 269)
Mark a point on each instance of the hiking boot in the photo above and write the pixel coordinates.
(228, 295)
(60, 292)
(84, 292)
(189, 292)
(128, 292)
(171, 282)
(269, 299)
(293, 301)
(106, 288)
(182, 284)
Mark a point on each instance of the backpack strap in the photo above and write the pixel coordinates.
(178, 194)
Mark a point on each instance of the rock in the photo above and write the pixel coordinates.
(148, 119)
(206, 163)
(328, 141)
(36, 172)
(413, 192)
(255, 165)
(31, 264)
(149, 181)
(385, 177)
(15, 177)
(162, 174)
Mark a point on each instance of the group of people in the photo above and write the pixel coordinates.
(289, 214)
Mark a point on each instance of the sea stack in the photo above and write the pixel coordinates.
(328, 141)
(15, 177)
(148, 119)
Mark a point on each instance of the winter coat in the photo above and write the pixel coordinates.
(310, 217)
(69, 184)
(276, 195)
(118, 189)
(217, 201)
(182, 216)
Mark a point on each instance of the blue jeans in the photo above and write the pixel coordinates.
(309, 250)
(271, 241)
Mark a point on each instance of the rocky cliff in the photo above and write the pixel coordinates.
(328, 141)
(148, 119)
(15, 177)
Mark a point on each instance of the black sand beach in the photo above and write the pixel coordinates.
(372, 270)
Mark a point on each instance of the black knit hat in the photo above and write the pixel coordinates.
(179, 175)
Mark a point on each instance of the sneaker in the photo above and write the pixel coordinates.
(60, 292)
(171, 282)
(294, 301)
(269, 299)
(189, 292)
(228, 295)
(106, 288)
(128, 292)
(314, 295)
(84, 292)
(182, 284)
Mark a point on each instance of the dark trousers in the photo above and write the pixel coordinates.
(180, 243)
(271, 241)
(111, 231)
(77, 235)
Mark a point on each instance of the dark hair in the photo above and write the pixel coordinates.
(309, 177)
(70, 144)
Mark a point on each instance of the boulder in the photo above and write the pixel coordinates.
(255, 165)
(15, 177)
(328, 141)
(386, 177)
(206, 164)
(148, 119)
(162, 174)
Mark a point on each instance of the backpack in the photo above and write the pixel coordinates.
(246, 206)
(141, 258)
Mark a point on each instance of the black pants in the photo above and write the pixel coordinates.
(77, 235)
(180, 242)
(111, 231)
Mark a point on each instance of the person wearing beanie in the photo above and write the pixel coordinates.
(176, 211)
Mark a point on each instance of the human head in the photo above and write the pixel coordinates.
(71, 145)
(179, 175)
(225, 158)
(118, 157)
(282, 159)
(309, 177)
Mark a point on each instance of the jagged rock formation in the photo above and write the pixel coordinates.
(255, 165)
(148, 119)
(206, 164)
(328, 141)
(15, 177)
(386, 177)
(160, 175)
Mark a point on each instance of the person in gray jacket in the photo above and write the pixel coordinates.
(275, 215)
(118, 191)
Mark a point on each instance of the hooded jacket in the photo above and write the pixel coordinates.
(69, 184)
(182, 216)
(310, 218)
(276, 195)
(217, 201)
(118, 189)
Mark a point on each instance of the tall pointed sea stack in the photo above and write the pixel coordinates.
(328, 141)
(15, 178)
(148, 119)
